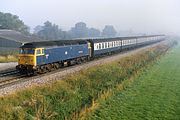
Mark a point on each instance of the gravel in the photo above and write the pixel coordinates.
(54, 76)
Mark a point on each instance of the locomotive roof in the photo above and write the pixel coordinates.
(53, 43)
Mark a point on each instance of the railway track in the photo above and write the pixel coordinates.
(8, 72)
(11, 81)
(9, 76)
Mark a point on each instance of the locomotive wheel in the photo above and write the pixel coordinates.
(49, 67)
(68, 63)
(78, 61)
(56, 66)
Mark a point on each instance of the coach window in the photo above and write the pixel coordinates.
(102, 45)
(99, 45)
(105, 45)
(108, 44)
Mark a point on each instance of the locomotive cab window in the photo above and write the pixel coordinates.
(26, 51)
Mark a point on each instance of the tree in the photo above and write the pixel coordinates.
(79, 31)
(51, 32)
(9, 21)
(109, 31)
(37, 29)
(92, 32)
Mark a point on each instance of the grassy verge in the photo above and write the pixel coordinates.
(8, 55)
(154, 95)
(65, 99)
(8, 58)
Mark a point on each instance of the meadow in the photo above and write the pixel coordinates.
(72, 97)
(154, 95)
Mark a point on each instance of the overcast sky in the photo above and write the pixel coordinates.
(145, 16)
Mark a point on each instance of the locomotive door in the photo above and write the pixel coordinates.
(40, 57)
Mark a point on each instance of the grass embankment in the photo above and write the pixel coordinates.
(8, 58)
(154, 95)
(67, 98)
(8, 55)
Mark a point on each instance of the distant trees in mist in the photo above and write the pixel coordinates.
(51, 31)
(80, 30)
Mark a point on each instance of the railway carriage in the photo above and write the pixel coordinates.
(105, 46)
(108, 46)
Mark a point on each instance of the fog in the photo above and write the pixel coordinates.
(143, 16)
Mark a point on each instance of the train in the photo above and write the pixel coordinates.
(45, 56)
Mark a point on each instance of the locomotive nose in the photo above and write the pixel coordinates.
(26, 60)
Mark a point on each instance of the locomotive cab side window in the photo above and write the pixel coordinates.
(42, 51)
(38, 51)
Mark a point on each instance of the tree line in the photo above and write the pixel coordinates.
(51, 31)
(80, 30)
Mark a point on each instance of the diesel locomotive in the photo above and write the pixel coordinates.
(42, 57)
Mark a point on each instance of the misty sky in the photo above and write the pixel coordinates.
(145, 16)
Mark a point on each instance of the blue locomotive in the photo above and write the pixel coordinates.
(41, 57)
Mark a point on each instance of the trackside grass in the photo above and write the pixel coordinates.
(155, 94)
(8, 58)
(8, 55)
(67, 98)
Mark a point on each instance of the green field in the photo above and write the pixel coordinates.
(154, 95)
